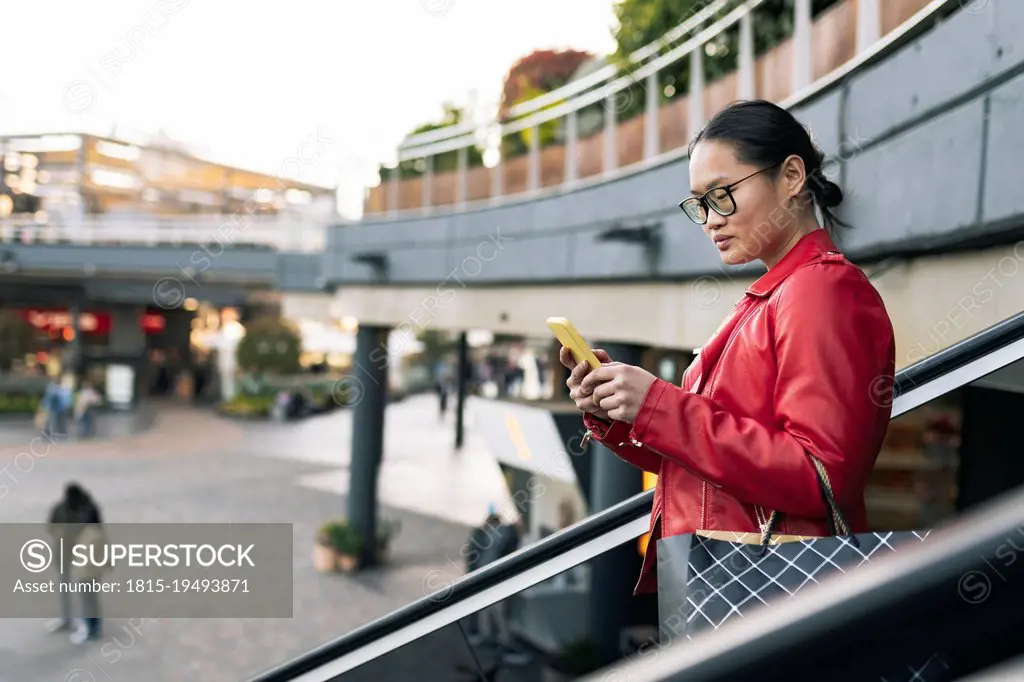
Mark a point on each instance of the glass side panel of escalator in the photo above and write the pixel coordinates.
(937, 460)
(544, 632)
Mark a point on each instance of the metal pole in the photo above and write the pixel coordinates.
(369, 386)
(614, 573)
(75, 346)
(462, 381)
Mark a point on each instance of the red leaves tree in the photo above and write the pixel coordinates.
(539, 72)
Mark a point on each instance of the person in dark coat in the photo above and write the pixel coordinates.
(68, 519)
(504, 539)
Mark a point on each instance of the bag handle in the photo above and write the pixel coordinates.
(837, 524)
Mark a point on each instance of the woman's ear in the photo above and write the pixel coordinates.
(793, 176)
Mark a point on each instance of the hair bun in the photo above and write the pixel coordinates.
(831, 195)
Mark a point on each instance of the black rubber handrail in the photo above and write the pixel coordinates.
(562, 542)
(942, 363)
(956, 356)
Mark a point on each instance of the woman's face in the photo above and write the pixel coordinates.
(763, 221)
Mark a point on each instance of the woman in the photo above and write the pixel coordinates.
(795, 382)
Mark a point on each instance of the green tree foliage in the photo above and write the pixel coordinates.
(437, 343)
(641, 22)
(271, 346)
(443, 163)
(537, 73)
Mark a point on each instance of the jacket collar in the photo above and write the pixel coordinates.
(810, 246)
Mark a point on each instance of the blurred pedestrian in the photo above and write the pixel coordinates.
(74, 519)
(494, 621)
(86, 401)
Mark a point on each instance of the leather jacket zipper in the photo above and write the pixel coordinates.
(703, 483)
(638, 444)
(703, 501)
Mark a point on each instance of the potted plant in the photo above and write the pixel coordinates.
(575, 660)
(338, 547)
(324, 557)
(387, 530)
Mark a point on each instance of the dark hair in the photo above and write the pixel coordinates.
(76, 495)
(764, 134)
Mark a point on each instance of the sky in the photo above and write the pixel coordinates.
(254, 84)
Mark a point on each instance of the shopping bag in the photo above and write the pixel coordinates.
(707, 578)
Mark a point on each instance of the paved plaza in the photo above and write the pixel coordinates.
(193, 466)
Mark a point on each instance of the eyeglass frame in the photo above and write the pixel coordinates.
(702, 199)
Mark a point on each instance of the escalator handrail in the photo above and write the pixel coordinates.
(945, 370)
(594, 527)
(966, 360)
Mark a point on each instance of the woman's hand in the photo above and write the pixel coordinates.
(617, 389)
(579, 371)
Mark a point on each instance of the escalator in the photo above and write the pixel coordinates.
(838, 630)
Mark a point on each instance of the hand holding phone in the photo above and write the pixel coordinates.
(567, 334)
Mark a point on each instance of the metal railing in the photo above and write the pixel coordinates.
(952, 368)
(429, 143)
(278, 232)
(688, 40)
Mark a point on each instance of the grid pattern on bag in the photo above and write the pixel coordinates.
(729, 580)
(726, 578)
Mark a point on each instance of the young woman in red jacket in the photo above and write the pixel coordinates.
(797, 381)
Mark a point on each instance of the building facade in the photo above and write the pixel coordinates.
(65, 177)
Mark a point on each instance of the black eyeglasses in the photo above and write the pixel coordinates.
(717, 199)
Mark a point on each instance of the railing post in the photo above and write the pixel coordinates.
(427, 188)
(610, 149)
(572, 133)
(652, 102)
(802, 70)
(696, 97)
(869, 24)
(746, 76)
(496, 173)
(393, 190)
(460, 195)
(534, 176)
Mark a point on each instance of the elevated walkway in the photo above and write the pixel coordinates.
(922, 130)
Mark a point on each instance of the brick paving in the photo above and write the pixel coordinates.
(195, 467)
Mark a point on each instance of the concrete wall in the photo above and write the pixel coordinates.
(926, 147)
(933, 303)
(161, 275)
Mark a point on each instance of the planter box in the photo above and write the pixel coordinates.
(346, 563)
(327, 560)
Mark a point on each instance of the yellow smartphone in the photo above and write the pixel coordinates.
(571, 339)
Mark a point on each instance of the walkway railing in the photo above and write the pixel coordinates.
(615, 147)
(282, 232)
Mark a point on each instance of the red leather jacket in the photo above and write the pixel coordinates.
(803, 366)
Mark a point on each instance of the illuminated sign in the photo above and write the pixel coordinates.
(88, 322)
